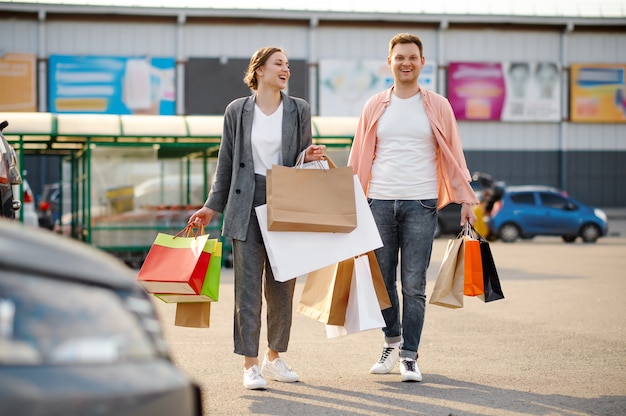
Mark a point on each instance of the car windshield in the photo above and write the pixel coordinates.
(45, 321)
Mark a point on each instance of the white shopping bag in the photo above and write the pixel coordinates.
(363, 311)
(296, 253)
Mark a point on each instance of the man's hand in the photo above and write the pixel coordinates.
(467, 213)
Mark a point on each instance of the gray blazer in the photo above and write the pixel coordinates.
(232, 191)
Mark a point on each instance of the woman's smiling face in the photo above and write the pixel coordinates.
(275, 72)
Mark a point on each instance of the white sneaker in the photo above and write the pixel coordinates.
(278, 370)
(409, 370)
(387, 361)
(253, 379)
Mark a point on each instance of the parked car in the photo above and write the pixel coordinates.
(28, 213)
(49, 206)
(487, 190)
(79, 336)
(527, 211)
(11, 181)
(9, 177)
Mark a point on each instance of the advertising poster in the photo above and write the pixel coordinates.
(111, 85)
(17, 82)
(505, 91)
(598, 93)
(346, 84)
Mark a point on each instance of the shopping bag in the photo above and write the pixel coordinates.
(363, 310)
(193, 315)
(448, 290)
(176, 264)
(211, 284)
(325, 293)
(472, 266)
(379, 284)
(492, 287)
(318, 200)
(296, 253)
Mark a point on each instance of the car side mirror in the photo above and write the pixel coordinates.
(570, 206)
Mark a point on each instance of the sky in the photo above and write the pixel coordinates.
(573, 8)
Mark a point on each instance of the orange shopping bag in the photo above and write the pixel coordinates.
(472, 265)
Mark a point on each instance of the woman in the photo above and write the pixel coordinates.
(267, 128)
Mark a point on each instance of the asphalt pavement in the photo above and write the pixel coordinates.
(556, 345)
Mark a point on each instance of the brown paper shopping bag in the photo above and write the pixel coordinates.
(362, 312)
(448, 290)
(379, 284)
(319, 200)
(325, 293)
(193, 314)
(293, 254)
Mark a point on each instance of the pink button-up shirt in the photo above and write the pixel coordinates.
(452, 173)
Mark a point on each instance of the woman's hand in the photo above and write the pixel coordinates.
(201, 217)
(314, 152)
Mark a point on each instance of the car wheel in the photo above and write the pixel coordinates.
(589, 233)
(509, 233)
(569, 238)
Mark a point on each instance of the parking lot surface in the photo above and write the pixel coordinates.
(555, 346)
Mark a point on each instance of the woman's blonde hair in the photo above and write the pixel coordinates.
(259, 59)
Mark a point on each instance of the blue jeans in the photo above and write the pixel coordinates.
(407, 229)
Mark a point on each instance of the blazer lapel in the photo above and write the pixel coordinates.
(247, 114)
(290, 124)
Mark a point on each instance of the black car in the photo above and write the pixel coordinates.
(487, 190)
(9, 176)
(79, 336)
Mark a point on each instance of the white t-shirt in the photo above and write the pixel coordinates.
(405, 166)
(266, 137)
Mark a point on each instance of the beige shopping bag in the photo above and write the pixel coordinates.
(448, 290)
(193, 315)
(325, 293)
(363, 311)
(379, 284)
(318, 200)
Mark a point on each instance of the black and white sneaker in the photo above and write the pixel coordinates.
(409, 370)
(387, 361)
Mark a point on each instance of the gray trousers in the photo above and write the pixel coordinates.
(250, 263)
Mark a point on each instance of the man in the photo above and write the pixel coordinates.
(408, 156)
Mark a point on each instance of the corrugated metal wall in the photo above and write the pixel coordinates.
(586, 159)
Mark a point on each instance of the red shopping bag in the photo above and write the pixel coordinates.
(176, 264)
(211, 284)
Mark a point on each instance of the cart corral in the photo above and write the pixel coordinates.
(132, 176)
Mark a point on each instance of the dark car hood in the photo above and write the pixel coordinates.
(38, 250)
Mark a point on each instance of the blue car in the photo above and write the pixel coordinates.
(527, 211)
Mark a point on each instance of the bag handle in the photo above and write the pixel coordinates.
(331, 164)
(190, 231)
(300, 161)
(472, 231)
